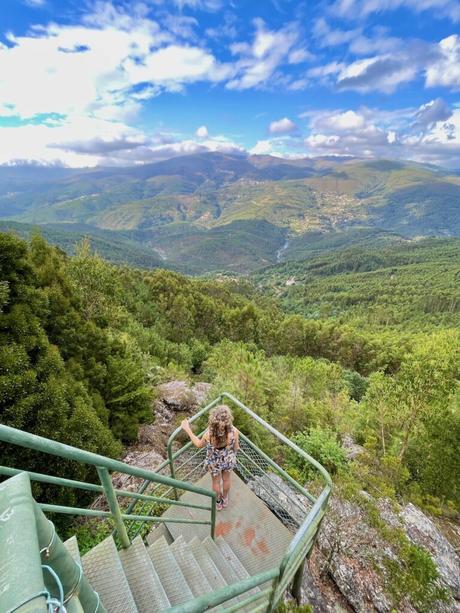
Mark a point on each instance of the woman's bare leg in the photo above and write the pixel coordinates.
(226, 482)
(217, 485)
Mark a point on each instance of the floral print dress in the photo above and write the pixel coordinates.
(218, 460)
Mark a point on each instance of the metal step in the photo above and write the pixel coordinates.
(225, 569)
(158, 532)
(190, 568)
(232, 558)
(236, 563)
(143, 580)
(104, 571)
(71, 545)
(210, 570)
(169, 572)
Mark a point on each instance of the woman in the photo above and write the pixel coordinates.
(221, 440)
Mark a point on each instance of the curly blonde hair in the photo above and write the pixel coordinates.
(220, 425)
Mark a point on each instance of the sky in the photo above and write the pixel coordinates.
(118, 82)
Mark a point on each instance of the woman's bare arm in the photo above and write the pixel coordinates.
(198, 442)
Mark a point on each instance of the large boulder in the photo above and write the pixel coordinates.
(179, 396)
(349, 557)
(352, 449)
(422, 531)
(175, 400)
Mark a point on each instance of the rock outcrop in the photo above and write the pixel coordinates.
(175, 400)
(347, 565)
(347, 569)
(285, 502)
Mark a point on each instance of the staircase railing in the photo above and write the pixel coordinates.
(38, 572)
(297, 508)
(103, 466)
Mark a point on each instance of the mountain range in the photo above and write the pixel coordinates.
(213, 212)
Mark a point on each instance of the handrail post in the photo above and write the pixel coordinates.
(114, 507)
(171, 469)
(297, 582)
(213, 515)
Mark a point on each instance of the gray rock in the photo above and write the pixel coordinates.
(352, 449)
(423, 532)
(174, 398)
(179, 396)
(353, 553)
(290, 506)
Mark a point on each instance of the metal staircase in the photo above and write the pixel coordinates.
(242, 559)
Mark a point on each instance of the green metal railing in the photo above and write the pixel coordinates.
(103, 465)
(37, 571)
(255, 467)
(162, 486)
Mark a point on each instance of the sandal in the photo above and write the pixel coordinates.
(225, 502)
(220, 504)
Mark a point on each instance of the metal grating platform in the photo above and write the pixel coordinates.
(254, 533)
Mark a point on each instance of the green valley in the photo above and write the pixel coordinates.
(238, 207)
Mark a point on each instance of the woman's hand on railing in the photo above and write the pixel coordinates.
(185, 426)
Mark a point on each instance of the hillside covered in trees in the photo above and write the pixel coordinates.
(413, 285)
(84, 345)
(212, 211)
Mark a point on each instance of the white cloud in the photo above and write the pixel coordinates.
(282, 126)
(259, 62)
(326, 36)
(98, 67)
(348, 120)
(430, 133)
(80, 141)
(202, 132)
(381, 73)
(173, 66)
(282, 146)
(430, 113)
(203, 5)
(404, 61)
(445, 72)
(357, 9)
(77, 141)
(262, 147)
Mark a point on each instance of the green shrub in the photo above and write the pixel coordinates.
(323, 446)
(414, 576)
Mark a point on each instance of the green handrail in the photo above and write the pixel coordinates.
(292, 563)
(93, 487)
(291, 566)
(102, 464)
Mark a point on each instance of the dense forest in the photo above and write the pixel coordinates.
(84, 345)
(412, 285)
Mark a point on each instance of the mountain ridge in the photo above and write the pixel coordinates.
(184, 207)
